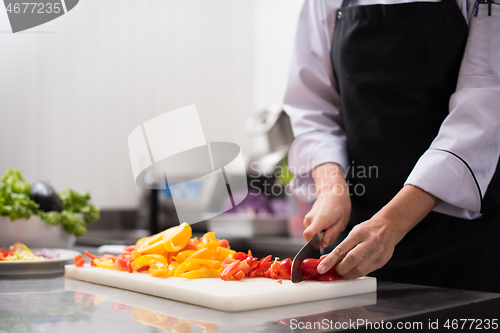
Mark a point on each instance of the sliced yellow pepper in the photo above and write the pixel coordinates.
(135, 254)
(163, 253)
(177, 239)
(209, 236)
(192, 264)
(225, 253)
(205, 253)
(172, 240)
(107, 263)
(183, 255)
(148, 259)
(159, 270)
(141, 242)
(219, 253)
(202, 273)
(213, 245)
(205, 240)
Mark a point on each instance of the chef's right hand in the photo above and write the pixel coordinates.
(332, 209)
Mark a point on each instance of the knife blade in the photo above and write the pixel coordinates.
(310, 250)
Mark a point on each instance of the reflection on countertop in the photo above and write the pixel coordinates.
(64, 305)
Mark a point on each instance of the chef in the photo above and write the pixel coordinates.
(395, 108)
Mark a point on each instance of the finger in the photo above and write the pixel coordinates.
(318, 225)
(307, 220)
(359, 258)
(332, 233)
(339, 252)
(365, 267)
(377, 260)
(307, 223)
(357, 271)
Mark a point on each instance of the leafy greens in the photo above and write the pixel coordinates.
(15, 202)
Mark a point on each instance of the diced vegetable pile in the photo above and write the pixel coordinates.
(174, 253)
(18, 252)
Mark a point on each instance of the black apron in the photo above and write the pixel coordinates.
(396, 67)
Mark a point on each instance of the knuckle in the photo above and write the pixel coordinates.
(376, 237)
(328, 261)
(353, 257)
(356, 230)
(386, 258)
(339, 251)
(307, 221)
(356, 271)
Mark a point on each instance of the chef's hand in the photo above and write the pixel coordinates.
(332, 209)
(370, 244)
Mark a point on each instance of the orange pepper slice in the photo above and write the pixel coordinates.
(148, 259)
(171, 240)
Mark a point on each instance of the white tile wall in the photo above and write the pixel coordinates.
(72, 89)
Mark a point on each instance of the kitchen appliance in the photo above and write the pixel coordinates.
(274, 124)
(249, 220)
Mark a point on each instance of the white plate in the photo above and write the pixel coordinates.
(37, 267)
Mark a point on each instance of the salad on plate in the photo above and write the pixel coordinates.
(20, 252)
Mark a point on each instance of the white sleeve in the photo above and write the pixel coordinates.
(312, 102)
(463, 157)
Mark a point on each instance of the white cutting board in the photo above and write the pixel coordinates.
(232, 296)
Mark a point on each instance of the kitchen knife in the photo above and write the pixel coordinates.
(310, 250)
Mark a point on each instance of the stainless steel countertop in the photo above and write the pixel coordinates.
(63, 305)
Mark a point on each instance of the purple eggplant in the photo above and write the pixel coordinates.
(44, 195)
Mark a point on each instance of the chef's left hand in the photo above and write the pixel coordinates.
(368, 247)
(370, 244)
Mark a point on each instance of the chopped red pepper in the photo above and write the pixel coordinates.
(239, 275)
(80, 262)
(129, 248)
(143, 268)
(121, 264)
(331, 275)
(90, 255)
(280, 281)
(227, 262)
(260, 267)
(273, 271)
(224, 243)
(285, 268)
(240, 256)
(230, 270)
(252, 261)
(310, 269)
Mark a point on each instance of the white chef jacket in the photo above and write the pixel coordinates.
(461, 160)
